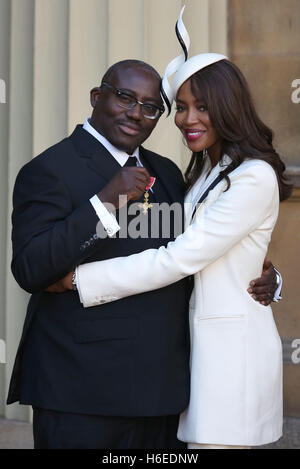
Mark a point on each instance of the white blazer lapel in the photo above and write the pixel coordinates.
(195, 193)
(203, 184)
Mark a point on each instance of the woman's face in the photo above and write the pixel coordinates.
(193, 120)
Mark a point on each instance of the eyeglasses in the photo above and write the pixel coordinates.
(127, 101)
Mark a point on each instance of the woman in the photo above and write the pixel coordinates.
(236, 363)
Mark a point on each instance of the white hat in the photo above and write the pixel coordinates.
(183, 67)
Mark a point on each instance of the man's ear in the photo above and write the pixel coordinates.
(94, 96)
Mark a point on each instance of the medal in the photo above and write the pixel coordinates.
(146, 204)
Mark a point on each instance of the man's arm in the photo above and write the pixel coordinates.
(267, 288)
(49, 236)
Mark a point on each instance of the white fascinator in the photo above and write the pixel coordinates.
(182, 66)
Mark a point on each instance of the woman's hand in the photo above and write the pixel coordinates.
(63, 285)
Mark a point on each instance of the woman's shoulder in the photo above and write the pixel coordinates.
(257, 169)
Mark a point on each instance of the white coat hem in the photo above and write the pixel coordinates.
(215, 441)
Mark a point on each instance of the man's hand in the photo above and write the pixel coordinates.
(63, 285)
(128, 181)
(263, 289)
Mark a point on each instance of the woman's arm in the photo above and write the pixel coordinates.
(253, 196)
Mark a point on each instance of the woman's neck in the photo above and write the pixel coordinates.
(215, 154)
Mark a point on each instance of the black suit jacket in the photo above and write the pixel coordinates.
(125, 358)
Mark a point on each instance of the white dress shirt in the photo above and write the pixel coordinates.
(107, 219)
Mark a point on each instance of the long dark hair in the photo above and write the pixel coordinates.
(224, 90)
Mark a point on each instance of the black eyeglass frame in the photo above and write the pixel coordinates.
(118, 93)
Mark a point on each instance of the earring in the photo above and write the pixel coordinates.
(204, 153)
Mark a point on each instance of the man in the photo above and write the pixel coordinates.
(116, 375)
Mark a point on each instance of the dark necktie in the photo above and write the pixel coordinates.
(131, 161)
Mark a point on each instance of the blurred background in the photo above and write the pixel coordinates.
(52, 52)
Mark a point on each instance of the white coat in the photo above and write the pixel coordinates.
(236, 357)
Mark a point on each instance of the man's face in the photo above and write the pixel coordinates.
(126, 129)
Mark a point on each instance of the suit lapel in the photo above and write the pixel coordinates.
(104, 164)
(98, 157)
(163, 176)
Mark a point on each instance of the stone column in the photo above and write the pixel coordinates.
(51, 74)
(125, 30)
(20, 152)
(88, 55)
(5, 12)
(161, 47)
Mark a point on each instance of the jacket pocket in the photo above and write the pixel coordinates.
(221, 317)
(111, 328)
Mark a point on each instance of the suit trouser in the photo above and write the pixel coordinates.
(60, 430)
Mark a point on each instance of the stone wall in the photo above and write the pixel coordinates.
(264, 41)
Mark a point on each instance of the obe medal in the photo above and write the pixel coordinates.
(146, 204)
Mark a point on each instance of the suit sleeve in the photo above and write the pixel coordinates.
(49, 237)
(237, 212)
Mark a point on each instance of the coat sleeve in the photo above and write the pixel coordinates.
(252, 197)
(50, 237)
